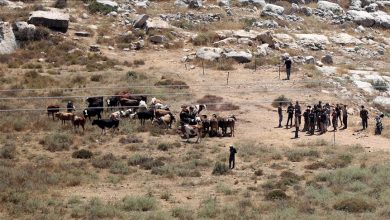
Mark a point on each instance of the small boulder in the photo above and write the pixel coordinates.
(82, 34)
(157, 23)
(309, 60)
(140, 21)
(382, 19)
(158, 39)
(53, 19)
(260, 3)
(107, 3)
(327, 59)
(274, 9)
(24, 31)
(330, 6)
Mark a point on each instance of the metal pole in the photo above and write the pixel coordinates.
(203, 66)
(334, 139)
(227, 79)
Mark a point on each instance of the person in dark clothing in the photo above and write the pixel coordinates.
(297, 109)
(306, 119)
(338, 112)
(70, 107)
(334, 119)
(323, 122)
(364, 117)
(378, 124)
(288, 64)
(280, 113)
(345, 116)
(232, 157)
(290, 114)
(312, 121)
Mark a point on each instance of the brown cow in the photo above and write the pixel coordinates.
(63, 116)
(161, 112)
(78, 121)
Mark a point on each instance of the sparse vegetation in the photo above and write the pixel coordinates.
(220, 169)
(57, 142)
(82, 154)
(281, 99)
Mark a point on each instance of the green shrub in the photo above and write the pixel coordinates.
(95, 7)
(354, 205)
(380, 85)
(220, 169)
(96, 78)
(281, 99)
(104, 161)
(209, 208)
(139, 62)
(316, 165)
(82, 154)
(119, 168)
(339, 161)
(145, 203)
(298, 155)
(182, 213)
(163, 147)
(8, 151)
(276, 194)
(60, 4)
(57, 142)
(96, 209)
(144, 162)
(259, 172)
(204, 38)
(289, 178)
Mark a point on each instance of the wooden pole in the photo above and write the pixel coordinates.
(227, 79)
(203, 66)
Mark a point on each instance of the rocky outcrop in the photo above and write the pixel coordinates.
(24, 31)
(345, 39)
(272, 9)
(189, 3)
(53, 19)
(260, 3)
(158, 39)
(157, 23)
(312, 41)
(241, 57)
(7, 39)
(361, 18)
(381, 19)
(107, 3)
(330, 6)
(209, 53)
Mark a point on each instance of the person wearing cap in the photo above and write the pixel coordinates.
(364, 117)
(70, 107)
(288, 64)
(345, 116)
(232, 157)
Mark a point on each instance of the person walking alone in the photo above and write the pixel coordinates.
(288, 64)
(364, 117)
(232, 157)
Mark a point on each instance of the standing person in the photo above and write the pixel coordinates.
(70, 107)
(306, 119)
(280, 113)
(364, 117)
(297, 123)
(288, 64)
(338, 112)
(312, 121)
(345, 116)
(379, 125)
(334, 119)
(290, 114)
(327, 111)
(232, 157)
(297, 109)
(324, 120)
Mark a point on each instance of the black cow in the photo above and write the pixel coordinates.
(92, 112)
(106, 123)
(52, 109)
(112, 102)
(129, 103)
(143, 116)
(139, 98)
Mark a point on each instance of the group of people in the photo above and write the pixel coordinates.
(319, 117)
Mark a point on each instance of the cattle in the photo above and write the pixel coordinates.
(92, 112)
(78, 121)
(129, 103)
(198, 108)
(143, 116)
(160, 106)
(205, 124)
(96, 103)
(225, 123)
(64, 116)
(166, 120)
(106, 123)
(127, 95)
(213, 126)
(155, 101)
(112, 102)
(52, 109)
(160, 112)
(120, 114)
(193, 130)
